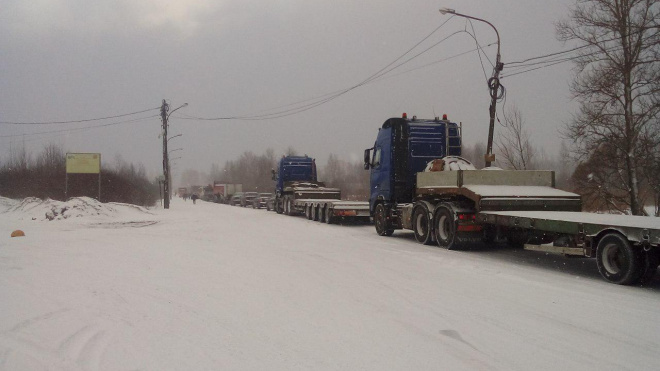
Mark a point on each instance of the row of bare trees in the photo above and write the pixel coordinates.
(350, 177)
(44, 176)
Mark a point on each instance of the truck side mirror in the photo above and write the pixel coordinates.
(367, 158)
(273, 174)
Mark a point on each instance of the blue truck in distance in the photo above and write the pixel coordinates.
(298, 191)
(418, 181)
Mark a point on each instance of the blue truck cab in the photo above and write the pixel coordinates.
(402, 149)
(291, 171)
(295, 169)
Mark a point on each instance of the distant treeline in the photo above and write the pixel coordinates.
(44, 176)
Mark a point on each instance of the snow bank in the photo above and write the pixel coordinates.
(33, 208)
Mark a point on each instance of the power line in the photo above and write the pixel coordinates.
(574, 49)
(76, 121)
(331, 96)
(559, 58)
(72, 130)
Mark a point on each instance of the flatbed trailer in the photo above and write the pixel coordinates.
(332, 210)
(457, 208)
(626, 247)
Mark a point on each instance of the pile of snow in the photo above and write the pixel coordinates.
(37, 209)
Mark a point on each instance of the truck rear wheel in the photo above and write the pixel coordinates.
(288, 205)
(445, 228)
(278, 205)
(380, 221)
(422, 225)
(618, 262)
(309, 211)
(317, 213)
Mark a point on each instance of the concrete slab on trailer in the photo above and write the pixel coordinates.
(460, 178)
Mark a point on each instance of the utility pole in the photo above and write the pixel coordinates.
(166, 163)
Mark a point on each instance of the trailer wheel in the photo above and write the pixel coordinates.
(308, 212)
(445, 228)
(618, 262)
(422, 225)
(329, 219)
(649, 265)
(380, 221)
(316, 212)
(321, 214)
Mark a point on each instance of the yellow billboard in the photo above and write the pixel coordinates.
(83, 163)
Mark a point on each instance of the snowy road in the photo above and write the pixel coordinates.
(213, 287)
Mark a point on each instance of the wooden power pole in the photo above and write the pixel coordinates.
(166, 164)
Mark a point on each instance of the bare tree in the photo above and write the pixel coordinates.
(513, 142)
(474, 153)
(617, 83)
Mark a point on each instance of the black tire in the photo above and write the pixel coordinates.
(422, 226)
(309, 212)
(279, 207)
(329, 219)
(287, 205)
(380, 221)
(321, 214)
(445, 228)
(618, 262)
(315, 213)
(649, 265)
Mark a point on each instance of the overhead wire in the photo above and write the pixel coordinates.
(77, 121)
(79, 129)
(331, 96)
(551, 59)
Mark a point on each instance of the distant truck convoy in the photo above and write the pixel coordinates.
(418, 181)
(224, 191)
(298, 191)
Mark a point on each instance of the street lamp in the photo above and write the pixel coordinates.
(172, 111)
(493, 85)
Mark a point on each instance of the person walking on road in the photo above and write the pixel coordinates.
(194, 198)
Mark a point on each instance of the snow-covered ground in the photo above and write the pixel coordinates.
(214, 287)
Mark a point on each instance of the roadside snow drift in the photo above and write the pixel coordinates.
(78, 207)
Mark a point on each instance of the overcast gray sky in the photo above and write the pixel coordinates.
(78, 59)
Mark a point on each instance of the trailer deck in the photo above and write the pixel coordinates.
(638, 229)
